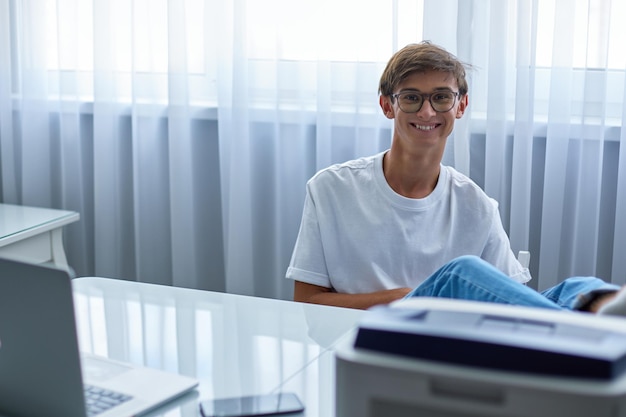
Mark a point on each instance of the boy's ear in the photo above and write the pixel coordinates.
(463, 103)
(387, 106)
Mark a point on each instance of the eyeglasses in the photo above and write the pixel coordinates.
(440, 101)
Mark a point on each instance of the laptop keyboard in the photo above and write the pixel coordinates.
(99, 400)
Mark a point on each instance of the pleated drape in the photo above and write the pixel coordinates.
(184, 131)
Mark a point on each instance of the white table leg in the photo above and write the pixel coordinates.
(56, 244)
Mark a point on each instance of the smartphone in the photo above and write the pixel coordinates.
(252, 405)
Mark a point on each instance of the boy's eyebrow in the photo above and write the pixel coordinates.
(411, 90)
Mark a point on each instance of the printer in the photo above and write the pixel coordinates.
(437, 357)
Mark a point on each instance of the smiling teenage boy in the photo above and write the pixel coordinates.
(376, 227)
(399, 223)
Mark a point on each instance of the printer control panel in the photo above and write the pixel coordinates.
(494, 341)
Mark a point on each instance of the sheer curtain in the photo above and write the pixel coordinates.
(184, 131)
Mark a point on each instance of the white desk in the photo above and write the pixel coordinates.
(34, 234)
(234, 345)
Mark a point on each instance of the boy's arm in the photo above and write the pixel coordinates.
(309, 293)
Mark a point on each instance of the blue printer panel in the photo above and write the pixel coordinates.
(494, 342)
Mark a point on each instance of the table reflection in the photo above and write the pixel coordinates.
(234, 345)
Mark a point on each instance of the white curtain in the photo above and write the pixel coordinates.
(184, 131)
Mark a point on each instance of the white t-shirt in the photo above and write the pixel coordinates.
(358, 235)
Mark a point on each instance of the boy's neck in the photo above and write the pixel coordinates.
(409, 176)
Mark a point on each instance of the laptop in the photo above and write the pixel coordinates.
(40, 362)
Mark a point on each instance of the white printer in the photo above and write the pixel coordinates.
(435, 357)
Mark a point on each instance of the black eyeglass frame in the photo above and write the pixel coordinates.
(424, 96)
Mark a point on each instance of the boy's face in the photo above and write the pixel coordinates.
(426, 127)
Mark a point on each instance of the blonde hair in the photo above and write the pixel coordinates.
(420, 57)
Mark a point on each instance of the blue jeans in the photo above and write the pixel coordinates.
(471, 278)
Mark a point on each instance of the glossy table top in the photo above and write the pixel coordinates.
(234, 345)
(20, 222)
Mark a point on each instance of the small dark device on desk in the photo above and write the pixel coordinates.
(252, 405)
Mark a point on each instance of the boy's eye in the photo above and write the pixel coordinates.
(412, 97)
(442, 96)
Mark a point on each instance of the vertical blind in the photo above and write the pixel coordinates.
(184, 131)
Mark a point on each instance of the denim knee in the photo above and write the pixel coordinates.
(468, 263)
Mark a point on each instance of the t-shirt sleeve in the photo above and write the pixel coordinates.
(498, 251)
(308, 263)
